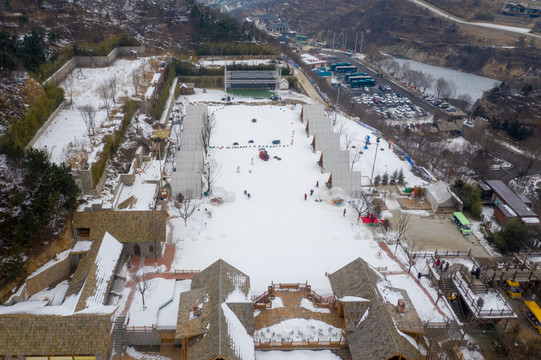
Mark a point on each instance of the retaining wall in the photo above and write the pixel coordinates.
(47, 123)
(48, 277)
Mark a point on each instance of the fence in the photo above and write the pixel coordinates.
(141, 328)
(186, 271)
(445, 253)
(318, 344)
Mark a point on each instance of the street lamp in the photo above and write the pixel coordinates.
(374, 165)
(336, 105)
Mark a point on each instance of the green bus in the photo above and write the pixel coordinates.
(462, 223)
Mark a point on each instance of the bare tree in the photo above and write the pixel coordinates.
(186, 205)
(113, 85)
(135, 81)
(425, 82)
(338, 127)
(467, 100)
(88, 113)
(360, 203)
(142, 283)
(349, 139)
(104, 92)
(405, 69)
(211, 171)
(354, 158)
(69, 86)
(206, 132)
(401, 224)
(416, 78)
(444, 88)
(414, 245)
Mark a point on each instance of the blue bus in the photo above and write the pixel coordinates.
(346, 69)
(333, 66)
(348, 76)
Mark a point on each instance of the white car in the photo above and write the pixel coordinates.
(366, 89)
(408, 101)
(365, 101)
(407, 114)
(387, 87)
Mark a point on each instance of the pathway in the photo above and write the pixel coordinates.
(440, 12)
(310, 91)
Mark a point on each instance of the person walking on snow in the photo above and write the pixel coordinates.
(238, 169)
(317, 183)
(305, 196)
(311, 192)
(252, 161)
(344, 212)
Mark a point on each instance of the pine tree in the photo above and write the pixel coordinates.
(385, 178)
(400, 177)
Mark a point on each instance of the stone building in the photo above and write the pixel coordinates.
(141, 232)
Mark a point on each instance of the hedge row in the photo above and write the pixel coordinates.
(21, 131)
(112, 142)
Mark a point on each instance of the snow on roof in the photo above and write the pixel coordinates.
(510, 198)
(440, 191)
(337, 160)
(151, 170)
(241, 342)
(156, 78)
(104, 268)
(81, 246)
(352, 299)
(326, 141)
(149, 92)
(493, 304)
(508, 212)
(58, 257)
(530, 220)
(310, 59)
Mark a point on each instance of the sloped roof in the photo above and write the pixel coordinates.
(350, 181)
(375, 337)
(125, 226)
(218, 331)
(189, 167)
(326, 141)
(100, 277)
(440, 192)
(337, 160)
(55, 335)
(510, 198)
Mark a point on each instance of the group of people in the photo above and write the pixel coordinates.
(475, 272)
(247, 194)
(441, 265)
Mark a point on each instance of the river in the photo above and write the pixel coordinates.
(466, 83)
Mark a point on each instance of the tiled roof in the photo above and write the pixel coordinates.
(55, 335)
(125, 226)
(209, 337)
(375, 337)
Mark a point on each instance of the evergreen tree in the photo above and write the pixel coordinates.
(400, 178)
(385, 178)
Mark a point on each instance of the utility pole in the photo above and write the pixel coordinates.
(374, 165)
(336, 105)
(362, 40)
(356, 36)
(333, 37)
(346, 42)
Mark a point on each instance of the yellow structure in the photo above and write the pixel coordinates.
(513, 289)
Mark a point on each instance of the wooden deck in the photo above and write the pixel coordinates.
(292, 309)
(413, 204)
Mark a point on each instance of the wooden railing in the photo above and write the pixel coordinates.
(141, 328)
(443, 253)
(186, 271)
(317, 344)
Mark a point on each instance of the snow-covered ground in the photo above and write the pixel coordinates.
(297, 355)
(67, 135)
(466, 83)
(299, 330)
(276, 230)
(219, 96)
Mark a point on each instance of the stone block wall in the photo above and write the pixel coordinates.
(49, 276)
(142, 338)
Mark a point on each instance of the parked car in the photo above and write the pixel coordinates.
(387, 87)
(381, 88)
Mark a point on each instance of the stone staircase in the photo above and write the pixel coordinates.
(119, 343)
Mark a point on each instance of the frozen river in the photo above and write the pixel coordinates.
(466, 83)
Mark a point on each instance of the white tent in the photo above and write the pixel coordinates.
(312, 110)
(439, 196)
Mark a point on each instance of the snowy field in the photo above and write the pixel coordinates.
(68, 133)
(466, 83)
(276, 235)
(217, 96)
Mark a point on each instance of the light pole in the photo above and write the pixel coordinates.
(374, 165)
(336, 105)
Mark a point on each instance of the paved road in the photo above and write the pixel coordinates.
(396, 88)
(510, 29)
(519, 161)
